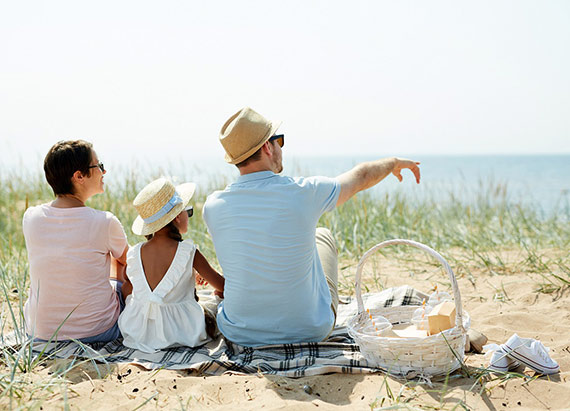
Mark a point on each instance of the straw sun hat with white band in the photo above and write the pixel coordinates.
(159, 203)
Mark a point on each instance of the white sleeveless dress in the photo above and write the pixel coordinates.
(168, 315)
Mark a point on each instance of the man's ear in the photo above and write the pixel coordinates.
(266, 147)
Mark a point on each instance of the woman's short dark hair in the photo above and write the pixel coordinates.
(64, 159)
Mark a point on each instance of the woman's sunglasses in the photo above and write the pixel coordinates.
(100, 165)
(190, 211)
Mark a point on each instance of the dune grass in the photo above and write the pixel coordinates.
(469, 235)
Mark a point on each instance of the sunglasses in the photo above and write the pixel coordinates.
(280, 139)
(190, 211)
(100, 165)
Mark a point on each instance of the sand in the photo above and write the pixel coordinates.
(499, 305)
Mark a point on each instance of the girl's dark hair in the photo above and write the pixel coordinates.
(173, 232)
(64, 159)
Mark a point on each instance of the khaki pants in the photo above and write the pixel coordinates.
(328, 254)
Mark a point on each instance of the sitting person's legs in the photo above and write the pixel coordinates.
(328, 254)
(107, 336)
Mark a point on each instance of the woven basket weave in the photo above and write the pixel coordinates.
(433, 355)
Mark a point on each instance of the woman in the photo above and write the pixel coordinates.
(72, 251)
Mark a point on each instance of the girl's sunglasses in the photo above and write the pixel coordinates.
(280, 139)
(190, 211)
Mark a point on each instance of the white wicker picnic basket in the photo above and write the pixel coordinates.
(429, 356)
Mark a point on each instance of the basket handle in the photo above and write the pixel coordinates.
(433, 253)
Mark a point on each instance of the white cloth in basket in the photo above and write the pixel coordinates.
(396, 296)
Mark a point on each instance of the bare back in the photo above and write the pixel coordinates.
(156, 256)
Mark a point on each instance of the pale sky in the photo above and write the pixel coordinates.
(346, 77)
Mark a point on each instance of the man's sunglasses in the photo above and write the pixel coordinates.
(100, 165)
(190, 211)
(280, 139)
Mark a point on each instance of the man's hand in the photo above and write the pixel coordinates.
(366, 175)
(402, 163)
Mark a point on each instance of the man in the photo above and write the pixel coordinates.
(280, 269)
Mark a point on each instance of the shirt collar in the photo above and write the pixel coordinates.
(260, 175)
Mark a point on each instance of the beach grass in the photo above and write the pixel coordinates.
(472, 235)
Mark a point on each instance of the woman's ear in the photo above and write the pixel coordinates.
(78, 177)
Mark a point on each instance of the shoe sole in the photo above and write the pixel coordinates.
(529, 362)
(511, 367)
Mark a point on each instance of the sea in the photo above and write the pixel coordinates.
(538, 181)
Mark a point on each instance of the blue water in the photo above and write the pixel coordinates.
(541, 181)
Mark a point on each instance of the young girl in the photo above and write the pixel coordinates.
(162, 310)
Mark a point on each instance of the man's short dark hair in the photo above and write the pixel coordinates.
(63, 160)
(254, 157)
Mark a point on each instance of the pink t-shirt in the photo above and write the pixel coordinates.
(69, 252)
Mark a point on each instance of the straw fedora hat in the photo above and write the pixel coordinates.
(159, 203)
(244, 133)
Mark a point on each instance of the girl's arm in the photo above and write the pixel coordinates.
(208, 273)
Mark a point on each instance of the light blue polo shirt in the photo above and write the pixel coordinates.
(263, 227)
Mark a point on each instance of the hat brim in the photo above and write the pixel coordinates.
(185, 191)
(249, 153)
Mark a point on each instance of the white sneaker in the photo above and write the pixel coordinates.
(500, 361)
(531, 353)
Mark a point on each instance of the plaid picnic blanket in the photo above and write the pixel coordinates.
(338, 354)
